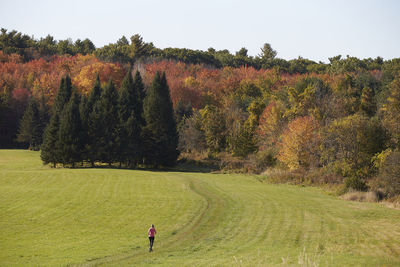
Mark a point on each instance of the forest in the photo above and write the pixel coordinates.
(131, 104)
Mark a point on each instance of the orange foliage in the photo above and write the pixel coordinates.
(43, 77)
(300, 143)
(85, 78)
(270, 125)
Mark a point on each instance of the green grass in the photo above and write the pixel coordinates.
(94, 217)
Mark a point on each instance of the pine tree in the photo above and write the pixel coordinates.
(127, 100)
(107, 108)
(84, 117)
(138, 84)
(44, 115)
(161, 138)
(133, 146)
(367, 104)
(63, 95)
(139, 116)
(70, 133)
(30, 126)
(50, 152)
(94, 94)
(93, 123)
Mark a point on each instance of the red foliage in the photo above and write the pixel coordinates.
(43, 77)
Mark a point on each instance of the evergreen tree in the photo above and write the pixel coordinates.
(129, 135)
(160, 135)
(50, 150)
(84, 117)
(133, 147)
(138, 84)
(70, 133)
(30, 126)
(63, 95)
(107, 108)
(139, 116)
(93, 122)
(367, 104)
(94, 95)
(181, 113)
(95, 134)
(44, 115)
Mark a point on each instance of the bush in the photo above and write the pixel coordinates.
(388, 179)
(355, 183)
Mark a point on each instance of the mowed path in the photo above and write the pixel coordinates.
(95, 217)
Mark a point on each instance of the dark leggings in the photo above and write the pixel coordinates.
(151, 238)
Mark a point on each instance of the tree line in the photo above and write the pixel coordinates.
(130, 127)
(135, 50)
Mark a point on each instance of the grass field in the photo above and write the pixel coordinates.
(91, 217)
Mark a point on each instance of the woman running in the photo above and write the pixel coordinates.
(152, 231)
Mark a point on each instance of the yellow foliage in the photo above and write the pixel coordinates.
(299, 143)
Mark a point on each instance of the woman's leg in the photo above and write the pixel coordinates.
(151, 243)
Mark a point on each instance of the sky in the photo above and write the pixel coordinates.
(313, 29)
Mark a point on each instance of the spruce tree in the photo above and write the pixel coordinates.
(50, 152)
(44, 115)
(30, 126)
(93, 122)
(107, 107)
(84, 117)
(70, 133)
(161, 138)
(63, 95)
(139, 86)
(368, 105)
(139, 116)
(94, 95)
(129, 113)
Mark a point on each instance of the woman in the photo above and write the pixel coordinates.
(152, 231)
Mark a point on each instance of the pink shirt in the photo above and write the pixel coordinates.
(152, 232)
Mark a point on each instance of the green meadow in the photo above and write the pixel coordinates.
(92, 217)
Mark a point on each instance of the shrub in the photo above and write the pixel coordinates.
(388, 179)
(355, 183)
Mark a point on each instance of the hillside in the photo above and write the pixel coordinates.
(100, 216)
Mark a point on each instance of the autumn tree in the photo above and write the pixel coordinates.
(299, 145)
(191, 135)
(388, 178)
(367, 103)
(245, 140)
(391, 113)
(310, 96)
(271, 125)
(214, 127)
(348, 144)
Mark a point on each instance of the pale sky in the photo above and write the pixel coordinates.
(313, 29)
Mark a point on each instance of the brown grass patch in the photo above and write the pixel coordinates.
(361, 196)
